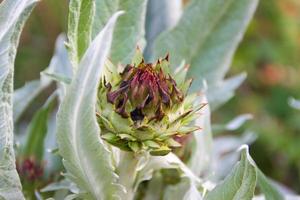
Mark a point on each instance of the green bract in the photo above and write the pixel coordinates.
(141, 107)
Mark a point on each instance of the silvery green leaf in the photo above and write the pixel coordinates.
(24, 95)
(271, 190)
(206, 37)
(64, 184)
(267, 188)
(58, 77)
(161, 15)
(225, 154)
(37, 131)
(129, 31)
(201, 155)
(238, 121)
(221, 91)
(232, 125)
(240, 183)
(13, 15)
(59, 65)
(81, 16)
(85, 156)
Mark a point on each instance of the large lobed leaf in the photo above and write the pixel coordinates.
(206, 37)
(129, 31)
(85, 157)
(13, 15)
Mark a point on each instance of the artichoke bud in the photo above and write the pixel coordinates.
(142, 108)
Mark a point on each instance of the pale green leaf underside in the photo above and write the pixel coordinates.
(13, 15)
(221, 91)
(206, 37)
(240, 183)
(129, 31)
(85, 157)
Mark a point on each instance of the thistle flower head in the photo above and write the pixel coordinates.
(148, 90)
(143, 107)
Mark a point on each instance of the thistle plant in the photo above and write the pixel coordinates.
(143, 108)
(123, 121)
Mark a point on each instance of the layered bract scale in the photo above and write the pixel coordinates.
(143, 108)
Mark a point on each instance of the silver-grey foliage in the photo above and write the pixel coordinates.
(161, 15)
(206, 37)
(240, 183)
(129, 31)
(87, 160)
(13, 15)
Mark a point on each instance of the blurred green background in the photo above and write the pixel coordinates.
(269, 53)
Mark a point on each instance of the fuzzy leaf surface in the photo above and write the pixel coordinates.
(129, 31)
(59, 65)
(161, 15)
(206, 37)
(81, 15)
(240, 183)
(85, 156)
(13, 15)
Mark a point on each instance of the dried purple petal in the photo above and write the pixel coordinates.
(147, 89)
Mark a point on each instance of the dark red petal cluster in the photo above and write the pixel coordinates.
(30, 169)
(148, 90)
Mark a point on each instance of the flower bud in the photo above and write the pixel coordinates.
(142, 108)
